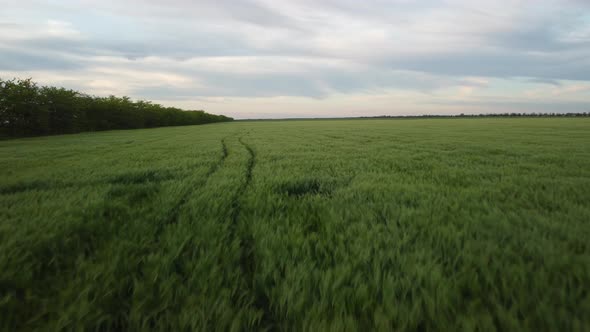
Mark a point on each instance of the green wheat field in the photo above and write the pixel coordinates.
(315, 225)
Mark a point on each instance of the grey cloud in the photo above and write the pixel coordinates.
(226, 11)
(255, 13)
(544, 81)
(500, 64)
(501, 106)
(12, 60)
(545, 34)
(539, 38)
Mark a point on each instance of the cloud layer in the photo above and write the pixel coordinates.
(263, 58)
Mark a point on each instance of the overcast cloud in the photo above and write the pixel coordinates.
(309, 58)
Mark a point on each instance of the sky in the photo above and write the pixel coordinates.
(309, 58)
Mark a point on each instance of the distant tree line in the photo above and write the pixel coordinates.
(486, 115)
(27, 109)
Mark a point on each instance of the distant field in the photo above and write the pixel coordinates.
(343, 225)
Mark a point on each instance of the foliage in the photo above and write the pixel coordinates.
(29, 110)
(483, 115)
(433, 224)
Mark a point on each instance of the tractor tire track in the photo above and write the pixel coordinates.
(174, 212)
(241, 232)
(173, 216)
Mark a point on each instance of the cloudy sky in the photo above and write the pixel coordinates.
(309, 58)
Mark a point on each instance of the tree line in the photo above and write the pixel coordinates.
(27, 109)
(483, 115)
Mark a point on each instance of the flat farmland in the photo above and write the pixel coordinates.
(342, 225)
